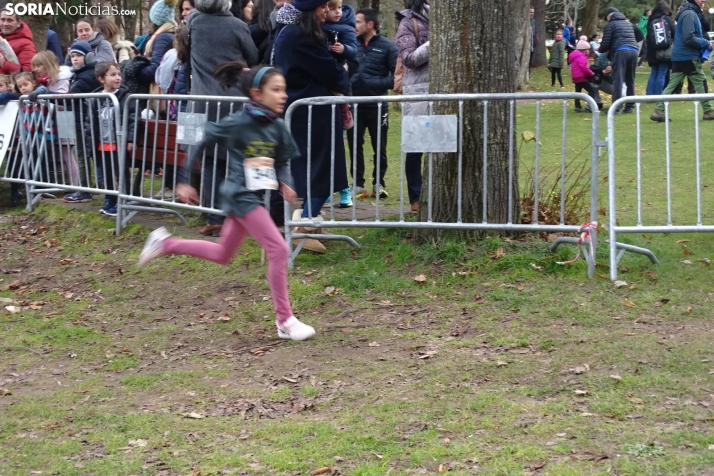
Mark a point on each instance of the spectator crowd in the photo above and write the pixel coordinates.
(321, 48)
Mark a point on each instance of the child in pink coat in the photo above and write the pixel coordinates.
(580, 72)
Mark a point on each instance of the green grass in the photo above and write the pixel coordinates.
(481, 369)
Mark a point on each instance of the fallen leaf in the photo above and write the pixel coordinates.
(520, 287)
(195, 416)
(536, 466)
(689, 309)
(4, 392)
(536, 267)
(291, 380)
(421, 279)
(138, 443)
(501, 363)
(500, 252)
(12, 309)
(647, 237)
(679, 242)
(635, 400)
(373, 344)
(581, 392)
(323, 470)
(443, 468)
(580, 369)
(223, 318)
(330, 290)
(629, 304)
(619, 284)
(686, 261)
(447, 441)
(616, 377)
(705, 261)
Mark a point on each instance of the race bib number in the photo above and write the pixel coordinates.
(260, 174)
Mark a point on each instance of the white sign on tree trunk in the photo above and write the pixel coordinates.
(430, 133)
(8, 116)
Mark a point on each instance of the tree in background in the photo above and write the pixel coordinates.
(472, 50)
(590, 17)
(539, 56)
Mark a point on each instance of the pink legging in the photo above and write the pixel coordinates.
(260, 226)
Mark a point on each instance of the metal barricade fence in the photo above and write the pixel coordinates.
(162, 137)
(668, 175)
(381, 220)
(61, 138)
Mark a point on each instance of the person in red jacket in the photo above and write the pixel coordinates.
(18, 34)
(581, 73)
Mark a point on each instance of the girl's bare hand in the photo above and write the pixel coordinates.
(337, 48)
(187, 194)
(288, 193)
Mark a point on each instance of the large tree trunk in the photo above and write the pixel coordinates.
(522, 46)
(39, 24)
(539, 57)
(464, 59)
(590, 20)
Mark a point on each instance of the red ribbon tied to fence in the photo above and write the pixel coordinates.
(585, 237)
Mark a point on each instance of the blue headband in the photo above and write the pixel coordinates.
(259, 76)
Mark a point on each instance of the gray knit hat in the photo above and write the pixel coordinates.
(213, 6)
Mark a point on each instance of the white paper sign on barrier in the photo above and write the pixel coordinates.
(65, 125)
(189, 130)
(8, 116)
(430, 133)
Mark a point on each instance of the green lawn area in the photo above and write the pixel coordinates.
(497, 362)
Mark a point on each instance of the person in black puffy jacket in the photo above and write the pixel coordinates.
(619, 41)
(377, 58)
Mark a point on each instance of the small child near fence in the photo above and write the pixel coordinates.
(5, 84)
(557, 59)
(581, 73)
(55, 80)
(260, 148)
(109, 74)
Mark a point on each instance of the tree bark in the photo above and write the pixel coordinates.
(464, 59)
(522, 41)
(539, 56)
(39, 24)
(590, 19)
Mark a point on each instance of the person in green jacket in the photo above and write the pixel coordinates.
(642, 25)
(557, 59)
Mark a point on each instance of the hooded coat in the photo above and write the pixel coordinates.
(84, 80)
(415, 57)
(689, 38)
(101, 47)
(346, 35)
(216, 37)
(618, 33)
(311, 71)
(21, 43)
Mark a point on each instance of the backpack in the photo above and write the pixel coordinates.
(129, 75)
(400, 69)
(661, 34)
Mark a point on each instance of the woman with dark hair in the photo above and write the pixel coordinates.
(185, 8)
(412, 40)
(101, 48)
(302, 54)
(660, 20)
(262, 28)
(242, 10)
(161, 15)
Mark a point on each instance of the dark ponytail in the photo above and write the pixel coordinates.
(233, 73)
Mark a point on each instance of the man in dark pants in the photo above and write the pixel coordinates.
(618, 40)
(377, 58)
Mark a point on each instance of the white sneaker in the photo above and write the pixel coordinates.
(153, 248)
(294, 329)
(379, 190)
(359, 190)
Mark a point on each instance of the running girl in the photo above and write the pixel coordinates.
(258, 159)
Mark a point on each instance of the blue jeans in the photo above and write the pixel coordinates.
(412, 170)
(658, 78)
(316, 204)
